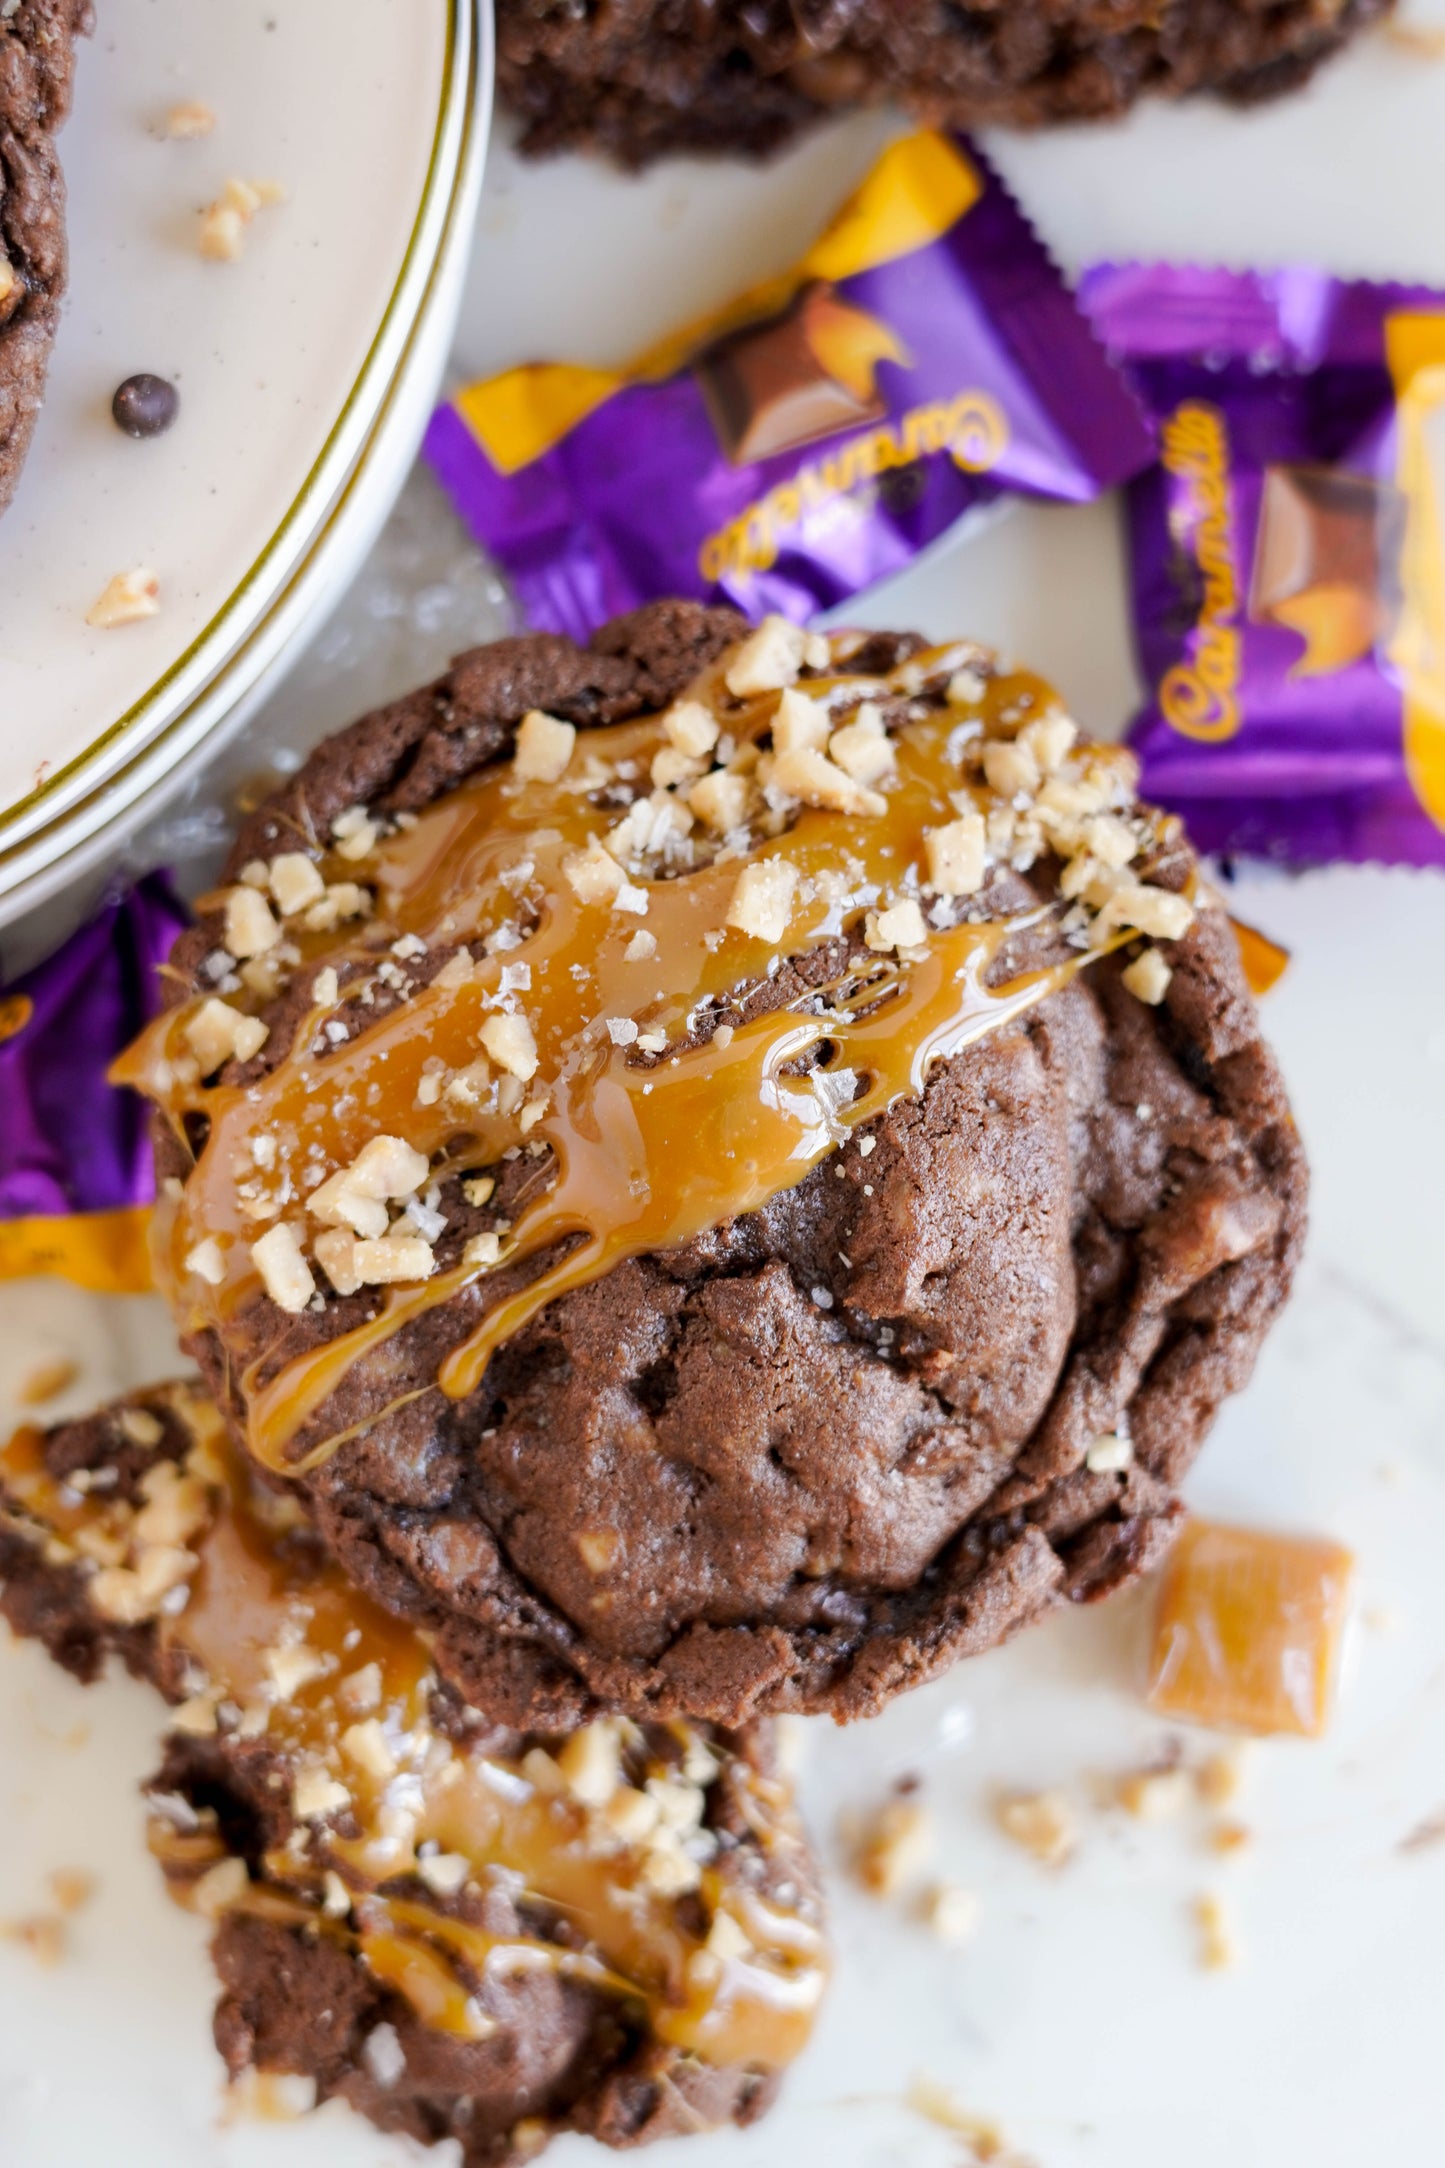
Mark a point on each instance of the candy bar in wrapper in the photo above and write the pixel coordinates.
(1288, 569)
(924, 358)
(76, 1180)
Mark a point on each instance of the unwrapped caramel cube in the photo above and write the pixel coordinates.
(1247, 1633)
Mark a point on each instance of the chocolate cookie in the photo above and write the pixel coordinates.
(464, 1931)
(37, 60)
(730, 1170)
(652, 77)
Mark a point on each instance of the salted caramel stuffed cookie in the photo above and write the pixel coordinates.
(729, 1168)
(464, 1931)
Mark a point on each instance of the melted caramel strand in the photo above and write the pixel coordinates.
(641, 1155)
(752, 1137)
(600, 1830)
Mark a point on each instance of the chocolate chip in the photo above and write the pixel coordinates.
(145, 406)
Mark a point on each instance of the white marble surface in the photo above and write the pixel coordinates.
(1079, 2015)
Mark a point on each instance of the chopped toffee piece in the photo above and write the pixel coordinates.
(615, 1930)
(729, 1124)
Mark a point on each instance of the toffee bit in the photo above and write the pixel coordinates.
(46, 1380)
(1042, 1823)
(43, 1934)
(768, 659)
(895, 1843)
(129, 599)
(190, 121)
(1148, 977)
(762, 899)
(72, 1888)
(284, 1272)
(1220, 1777)
(1219, 1949)
(1154, 1795)
(543, 749)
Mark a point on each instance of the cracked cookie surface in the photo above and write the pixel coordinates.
(817, 1451)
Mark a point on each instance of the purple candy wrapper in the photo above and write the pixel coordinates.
(924, 358)
(76, 1178)
(1288, 573)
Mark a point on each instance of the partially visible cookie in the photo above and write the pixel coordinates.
(464, 1931)
(37, 61)
(648, 79)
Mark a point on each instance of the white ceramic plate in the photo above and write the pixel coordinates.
(305, 367)
(1079, 2016)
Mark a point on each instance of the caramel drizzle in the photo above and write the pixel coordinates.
(645, 1157)
(255, 1590)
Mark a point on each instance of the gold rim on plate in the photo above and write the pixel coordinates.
(341, 464)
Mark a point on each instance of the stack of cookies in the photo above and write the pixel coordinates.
(708, 1174)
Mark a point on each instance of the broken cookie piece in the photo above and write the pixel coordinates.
(463, 1930)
